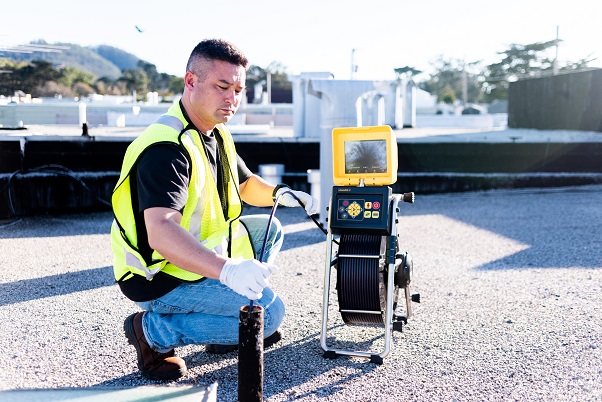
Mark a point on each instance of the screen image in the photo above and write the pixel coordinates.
(366, 156)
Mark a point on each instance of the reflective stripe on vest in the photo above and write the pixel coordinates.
(171, 121)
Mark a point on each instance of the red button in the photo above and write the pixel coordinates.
(376, 205)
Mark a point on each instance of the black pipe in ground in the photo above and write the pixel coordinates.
(250, 354)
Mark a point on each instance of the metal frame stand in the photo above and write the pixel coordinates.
(391, 321)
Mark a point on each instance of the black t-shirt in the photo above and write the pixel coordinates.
(160, 179)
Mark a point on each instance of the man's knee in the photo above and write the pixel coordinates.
(273, 316)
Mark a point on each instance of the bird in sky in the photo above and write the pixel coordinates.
(138, 29)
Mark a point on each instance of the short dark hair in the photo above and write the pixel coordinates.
(217, 49)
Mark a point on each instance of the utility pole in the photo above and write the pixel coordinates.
(269, 87)
(353, 65)
(464, 84)
(555, 64)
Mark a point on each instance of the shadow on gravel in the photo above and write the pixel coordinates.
(542, 256)
(61, 225)
(130, 380)
(286, 369)
(292, 216)
(561, 228)
(55, 285)
(305, 363)
(302, 238)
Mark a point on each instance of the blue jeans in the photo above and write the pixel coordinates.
(207, 311)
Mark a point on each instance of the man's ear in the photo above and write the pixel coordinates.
(190, 80)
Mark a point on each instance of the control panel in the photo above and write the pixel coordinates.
(360, 210)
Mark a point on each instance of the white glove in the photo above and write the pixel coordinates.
(309, 203)
(246, 277)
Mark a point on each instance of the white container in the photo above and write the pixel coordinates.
(313, 178)
(272, 173)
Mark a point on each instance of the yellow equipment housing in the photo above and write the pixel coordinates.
(364, 156)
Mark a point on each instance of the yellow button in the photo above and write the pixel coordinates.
(368, 205)
(354, 209)
(375, 214)
(367, 214)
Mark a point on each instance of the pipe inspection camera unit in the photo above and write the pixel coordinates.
(363, 243)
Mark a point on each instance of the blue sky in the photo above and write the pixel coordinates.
(311, 35)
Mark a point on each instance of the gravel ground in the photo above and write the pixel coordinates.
(511, 286)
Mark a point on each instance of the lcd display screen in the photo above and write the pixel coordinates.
(368, 156)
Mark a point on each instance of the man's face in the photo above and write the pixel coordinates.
(216, 93)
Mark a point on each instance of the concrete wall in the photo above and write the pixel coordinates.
(66, 113)
(46, 192)
(570, 101)
(82, 155)
(32, 183)
(103, 114)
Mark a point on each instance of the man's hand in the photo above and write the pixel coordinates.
(246, 277)
(309, 203)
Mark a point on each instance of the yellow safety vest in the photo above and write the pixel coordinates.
(202, 214)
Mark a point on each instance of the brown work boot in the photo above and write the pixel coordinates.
(152, 365)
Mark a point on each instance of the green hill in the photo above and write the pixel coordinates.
(101, 61)
(122, 59)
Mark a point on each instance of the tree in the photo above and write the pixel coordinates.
(82, 89)
(156, 81)
(447, 95)
(70, 76)
(52, 88)
(485, 84)
(450, 78)
(278, 76)
(176, 85)
(9, 81)
(280, 85)
(35, 75)
(134, 80)
(41, 79)
(104, 86)
(164, 84)
(255, 74)
(406, 71)
(578, 65)
(522, 61)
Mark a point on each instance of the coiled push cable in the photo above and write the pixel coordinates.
(358, 279)
(58, 170)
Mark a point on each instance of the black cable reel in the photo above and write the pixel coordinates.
(362, 283)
